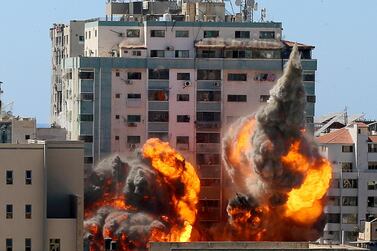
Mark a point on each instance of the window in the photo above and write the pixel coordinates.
(372, 148)
(86, 117)
(95, 33)
(132, 33)
(310, 99)
(88, 160)
(333, 218)
(117, 116)
(136, 53)
(372, 165)
(333, 201)
(309, 120)
(134, 75)
(27, 211)
(349, 218)
(154, 116)
(372, 201)
(183, 142)
(9, 245)
(133, 118)
(242, 34)
(265, 77)
(27, 136)
(157, 53)
(209, 74)
(116, 137)
(133, 96)
(133, 139)
(54, 245)
(182, 53)
(208, 159)
(183, 97)
(267, 34)
(28, 177)
(349, 183)
(308, 77)
(209, 34)
(181, 33)
(86, 138)
(158, 73)
(208, 96)
(237, 98)
(208, 116)
(349, 201)
(117, 95)
(238, 54)
(208, 138)
(372, 185)
(81, 38)
(117, 74)
(158, 95)
(183, 118)
(264, 98)
(237, 77)
(9, 211)
(346, 167)
(157, 33)
(27, 244)
(209, 53)
(9, 177)
(86, 96)
(183, 76)
(266, 54)
(347, 149)
(86, 75)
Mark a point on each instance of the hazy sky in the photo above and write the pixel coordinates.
(344, 33)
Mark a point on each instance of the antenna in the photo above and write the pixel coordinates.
(345, 116)
(1, 101)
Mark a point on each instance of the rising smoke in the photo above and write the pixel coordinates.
(276, 166)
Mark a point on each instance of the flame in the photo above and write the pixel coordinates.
(305, 203)
(173, 167)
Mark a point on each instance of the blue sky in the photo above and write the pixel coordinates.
(342, 31)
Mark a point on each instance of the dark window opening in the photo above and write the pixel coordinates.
(183, 118)
(237, 98)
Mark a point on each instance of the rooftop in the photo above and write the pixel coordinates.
(340, 136)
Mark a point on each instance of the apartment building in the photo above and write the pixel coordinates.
(178, 80)
(66, 41)
(41, 196)
(352, 198)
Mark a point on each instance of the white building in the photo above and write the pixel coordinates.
(41, 196)
(352, 198)
(179, 77)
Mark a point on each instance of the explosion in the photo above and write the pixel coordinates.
(152, 197)
(283, 178)
(279, 179)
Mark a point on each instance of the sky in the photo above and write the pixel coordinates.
(343, 32)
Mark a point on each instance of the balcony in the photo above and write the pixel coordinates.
(209, 172)
(208, 126)
(208, 106)
(158, 126)
(210, 193)
(208, 147)
(158, 105)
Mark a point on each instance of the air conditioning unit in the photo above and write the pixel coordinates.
(186, 84)
(216, 84)
(169, 48)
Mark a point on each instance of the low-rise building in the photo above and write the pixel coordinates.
(41, 196)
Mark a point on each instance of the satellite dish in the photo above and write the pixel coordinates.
(238, 2)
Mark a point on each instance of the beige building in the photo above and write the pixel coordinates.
(16, 130)
(41, 196)
(352, 198)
